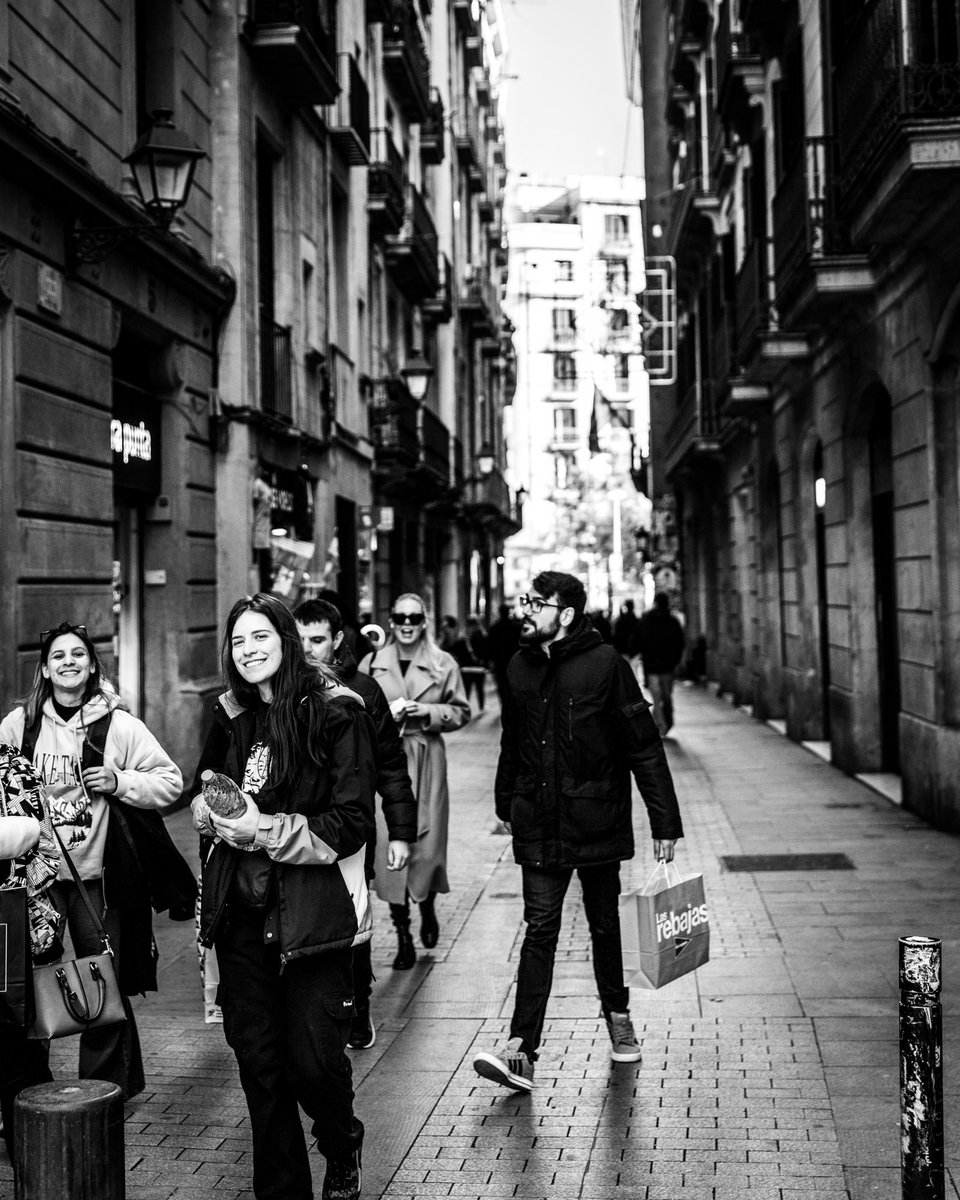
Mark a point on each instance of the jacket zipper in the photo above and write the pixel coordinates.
(570, 719)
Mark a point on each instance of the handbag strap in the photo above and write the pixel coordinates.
(81, 888)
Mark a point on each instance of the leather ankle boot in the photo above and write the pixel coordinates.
(406, 955)
(429, 927)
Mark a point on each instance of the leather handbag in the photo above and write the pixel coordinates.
(76, 994)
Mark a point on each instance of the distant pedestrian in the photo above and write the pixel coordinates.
(284, 893)
(461, 649)
(576, 728)
(479, 644)
(106, 779)
(321, 631)
(625, 629)
(423, 686)
(503, 641)
(660, 643)
(601, 623)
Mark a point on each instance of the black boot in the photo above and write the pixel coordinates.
(429, 928)
(406, 955)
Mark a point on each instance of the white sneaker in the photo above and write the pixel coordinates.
(624, 1046)
(513, 1070)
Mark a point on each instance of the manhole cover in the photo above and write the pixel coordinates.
(786, 862)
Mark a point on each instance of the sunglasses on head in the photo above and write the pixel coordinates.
(407, 618)
(47, 636)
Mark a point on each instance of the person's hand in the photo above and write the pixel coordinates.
(663, 849)
(398, 709)
(201, 816)
(398, 855)
(240, 831)
(416, 709)
(101, 779)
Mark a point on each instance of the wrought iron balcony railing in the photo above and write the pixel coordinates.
(393, 425)
(753, 299)
(432, 133)
(385, 184)
(406, 62)
(350, 128)
(276, 374)
(412, 256)
(288, 37)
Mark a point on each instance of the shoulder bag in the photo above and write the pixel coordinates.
(76, 994)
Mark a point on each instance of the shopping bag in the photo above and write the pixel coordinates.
(664, 928)
(15, 963)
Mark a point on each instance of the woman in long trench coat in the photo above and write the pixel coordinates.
(423, 687)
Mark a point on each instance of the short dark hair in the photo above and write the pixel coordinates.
(567, 588)
(661, 602)
(312, 612)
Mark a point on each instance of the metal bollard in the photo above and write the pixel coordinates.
(921, 1070)
(69, 1141)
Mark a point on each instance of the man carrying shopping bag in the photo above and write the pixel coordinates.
(577, 726)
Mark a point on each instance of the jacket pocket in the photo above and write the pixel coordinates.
(522, 811)
(590, 809)
(340, 1005)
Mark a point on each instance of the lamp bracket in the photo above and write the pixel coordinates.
(94, 243)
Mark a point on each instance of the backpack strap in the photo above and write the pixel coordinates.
(95, 742)
(31, 732)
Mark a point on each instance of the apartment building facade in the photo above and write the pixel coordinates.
(802, 163)
(575, 269)
(228, 398)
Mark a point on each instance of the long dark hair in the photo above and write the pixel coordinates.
(296, 680)
(41, 688)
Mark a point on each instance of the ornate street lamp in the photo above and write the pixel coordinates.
(485, 459)
(417, 373)
(163, 162)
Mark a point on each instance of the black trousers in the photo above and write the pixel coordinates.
(289, 1031)
(543, 895)
(22, 1064)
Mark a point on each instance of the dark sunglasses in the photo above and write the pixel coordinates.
(47, 636)
(407, 618)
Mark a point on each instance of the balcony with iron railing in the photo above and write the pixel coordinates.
(738, 66)
(438, 308)
(723, 347)
(393, 428)
(289, 40)
(753, 300)
(432, 131)
(385, 185)
(898, 117)
(564, 384)
(467, 18)
(350, 127)
(564, 337)
(813, 259)
(467, 135)
(412, 256)
(478, 306)
(693, 433)
(434, 445)
(276, 370)
(406, 62)
(488, 503)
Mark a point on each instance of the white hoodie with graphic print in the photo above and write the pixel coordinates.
(146, 775)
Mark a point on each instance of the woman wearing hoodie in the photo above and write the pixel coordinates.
(103, 772)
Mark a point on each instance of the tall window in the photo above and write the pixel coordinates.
(564, 326)
(564, 372)
(621, 373)
(564, 270)
(565, 425)
(618, 277)
(616, 227)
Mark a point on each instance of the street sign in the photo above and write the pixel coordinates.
(658, 319)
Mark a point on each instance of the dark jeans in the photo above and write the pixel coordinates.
(474, 680)
(362, 974)
(289, 1032)
(543, 895)
(113, 1052)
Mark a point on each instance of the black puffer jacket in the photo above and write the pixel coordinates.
(577, 726)
(393, 779)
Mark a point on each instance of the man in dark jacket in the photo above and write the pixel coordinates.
(322, 633)
(660, 643)
(578, 726)
(503, 641)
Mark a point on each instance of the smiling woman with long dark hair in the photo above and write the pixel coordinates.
(284, 892)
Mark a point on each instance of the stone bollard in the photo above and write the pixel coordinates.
(69, 1141)
(921, 1070)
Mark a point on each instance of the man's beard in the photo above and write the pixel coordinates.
(536, 637)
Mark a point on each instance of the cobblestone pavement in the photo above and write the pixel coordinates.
(772, 1073)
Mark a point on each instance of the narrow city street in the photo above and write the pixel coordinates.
(771, 1073)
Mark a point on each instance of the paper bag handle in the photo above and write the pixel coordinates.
(663, 869)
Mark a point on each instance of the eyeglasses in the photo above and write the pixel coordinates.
(47, 636)
(534, 603)
(407, 618)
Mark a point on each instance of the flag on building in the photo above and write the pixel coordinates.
(603, 413)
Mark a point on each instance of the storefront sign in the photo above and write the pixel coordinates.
(49, 289)
(135, 440)
(291, 505)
